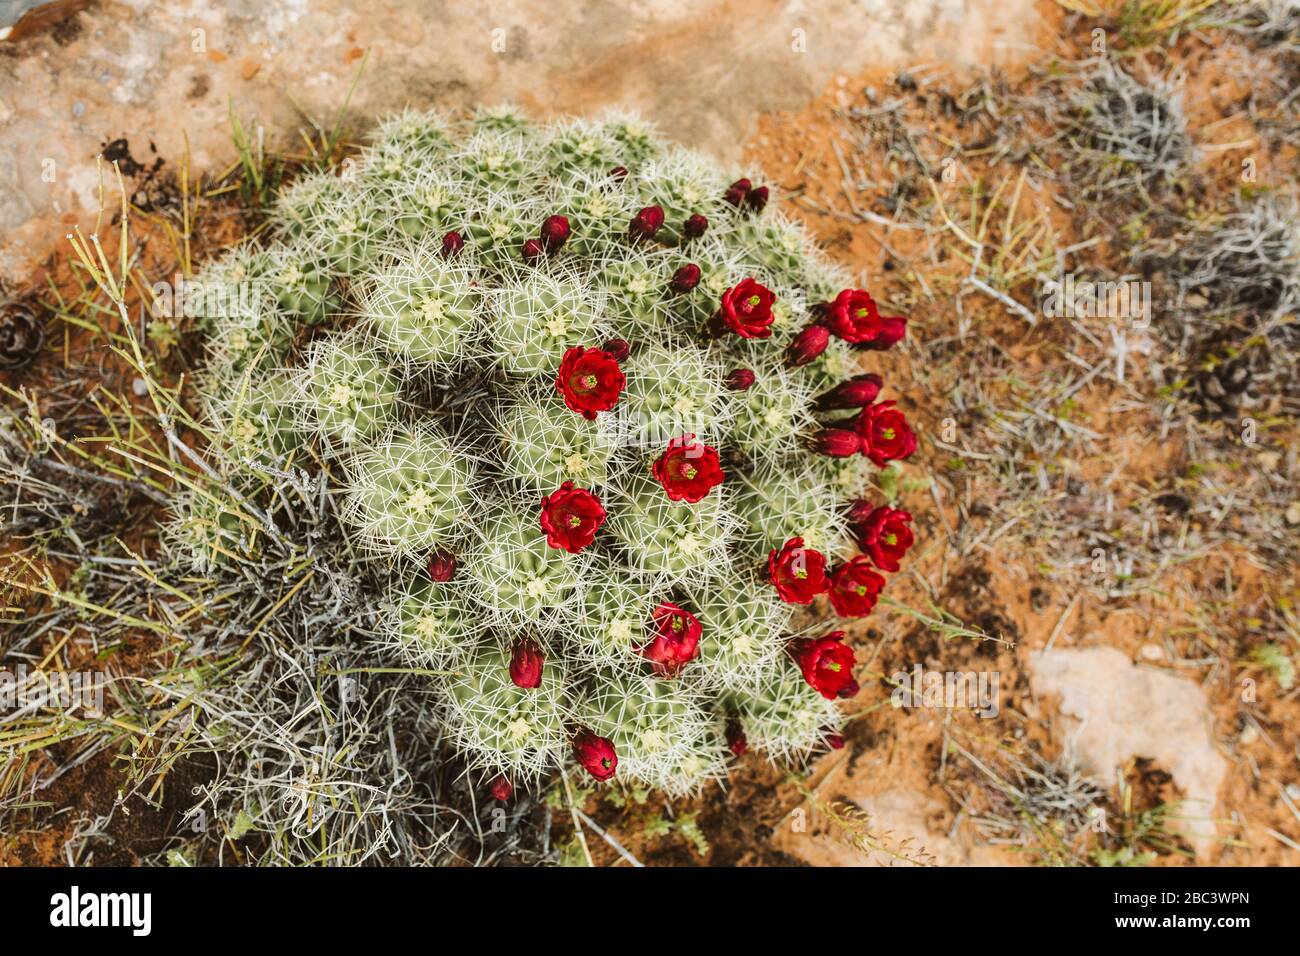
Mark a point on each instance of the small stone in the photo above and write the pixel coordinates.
(1293, 514)
(1152, 652)
(1248, 735)
(140, 388)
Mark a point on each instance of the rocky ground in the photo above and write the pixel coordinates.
(1124, 732)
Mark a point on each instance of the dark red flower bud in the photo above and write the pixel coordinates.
(736, 741)
(739, 379)
(442, 566)
(756, 199)
(555, 233)
(596, 754)
(837, 442)
(686, 278)
(646, 223)
(835, 741)
(849, 690)
(807, 345)
(452, 243)
(859, 510)
(526, 662)
(502, 788)
(618, 349)
(619, 173)
(857, 392)
(532, 250)
(695, 226)
(737, 192)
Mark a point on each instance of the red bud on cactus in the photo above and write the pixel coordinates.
(738, 380)
(807, 345)
(596, 754)
(686, 278)
(695, 227)
(442, 566)
(555, 233)
(736, 740)
(835, 741)
(502, 788)
(526, 663)
(646, 223)
(618, 349)
(857, 392)
(737, 192)
(619, 173)
(532, 251)
(756, 199)
(452, 243)
(837, 442)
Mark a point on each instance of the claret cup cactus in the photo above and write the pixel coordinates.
(596, 423)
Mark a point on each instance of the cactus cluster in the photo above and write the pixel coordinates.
(594, 419)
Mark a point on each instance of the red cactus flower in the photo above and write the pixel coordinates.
(596, 754)
(590, 381)
(858, 391)
(826, 663)
(756, 198)
(885, 534)
(737, 192)
(618, 348)
(695, 226)
(502, 788)
(442, 566)
(746, 309)
(452, 243)
(855, 586)
(739, 380)
(797, 573)
(688, 470)
(886, 436)
(807, 345)
(855, 318)
(837, 442)
(646, 223)
(685, 279)
(570, 517)
(676, 639)
(526, 662)
(555, 233)
(737, 743)
(532, 250)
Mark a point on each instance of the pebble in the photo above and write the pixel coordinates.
(1152, 652)
(140, 388)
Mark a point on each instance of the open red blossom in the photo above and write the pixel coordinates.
(737, 743)
(688, 470)
(596, 754)
(856, 392)
(502, 788)
(526, 662)
(885, 534)
(826, 663)
(855, 586)
(886, 436)
(746, 309)
(855, 318)
(797, 573)
(571, 517)
(807, 345)
(676, 639)
(590, 381)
